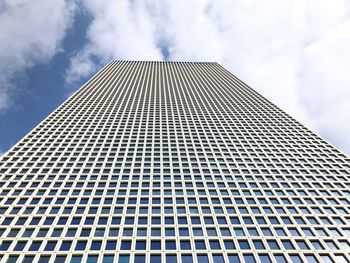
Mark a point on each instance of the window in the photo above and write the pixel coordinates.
(202, 259)
(125, 245)
(50, 246)
(186, 259)
(185, 245)
(35, 246)
(156, 258)
(95, 245)
(124, 259)
(141, 245)
(244, 244)
(155, 245)
(81, 245)
(20, 246)
(140, 259)
(65, 246)
(171, 259)
(170, 245)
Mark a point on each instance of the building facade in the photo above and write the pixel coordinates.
(173, 162)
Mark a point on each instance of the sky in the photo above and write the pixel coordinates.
(295, 53)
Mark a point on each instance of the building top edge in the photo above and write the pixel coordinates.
(164, 62)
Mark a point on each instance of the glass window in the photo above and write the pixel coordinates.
(156, 259)
(50, 246)
(124, 258)
(233, 259)
(258, 244)
(108, 259)
(171, 259)
(60, 259)
(140, 259)
(287, 244)
(65, 246)
(35, 246)
(170, 245)
(185, 245)
(155, 244)
(273, 244)
(229, 244)
(249, 259)
(295, 259)
(95, 245)
(125, 245)
(326, 259)
(169, 232)
(311, 259)
(30, 259)
(244, 244)
(202, 259)
(141, 245)
(214, 244)
(20, 246)
(92, 259)
(46, 259)
(280, 259)
(264, 259)
(218, 259)
(170, 221)
(81, 245)
(111, 245)
(186, 259)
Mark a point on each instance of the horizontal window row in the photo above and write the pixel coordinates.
(184, 258)
(182, 244)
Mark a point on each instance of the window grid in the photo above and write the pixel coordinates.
(163, 161)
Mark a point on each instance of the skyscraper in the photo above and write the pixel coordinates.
(173, 162)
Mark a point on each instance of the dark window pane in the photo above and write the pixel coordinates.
(124, 259)
(35, 246)
(126, 245)
(265, 259)
(185, 245)
(108, 259)
(249, 259)
(92, 259)
(202, 259)
(233, 259)
(44, 259)
(65, 246)
(186, 259)
(140, 245)
(60, 259)
(218, 259)
(140, 259)
(96, 245)
(156, 259)
(111, 245)
(171, 259)
(76, 259)
(5, 245)
(170, 245)
(50, 246)
(155, 245)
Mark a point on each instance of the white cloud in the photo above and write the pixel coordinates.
(295, 52)
(31, 33)
(120, 29)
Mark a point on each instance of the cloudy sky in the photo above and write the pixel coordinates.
(296, 53)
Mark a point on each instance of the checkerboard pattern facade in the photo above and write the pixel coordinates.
(173, 162)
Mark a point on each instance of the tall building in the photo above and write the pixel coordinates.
(173, 162)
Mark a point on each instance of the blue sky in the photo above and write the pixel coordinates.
(295, 53)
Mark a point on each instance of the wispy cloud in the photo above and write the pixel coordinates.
(120, 29)
(295, 53)
(31, 33)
